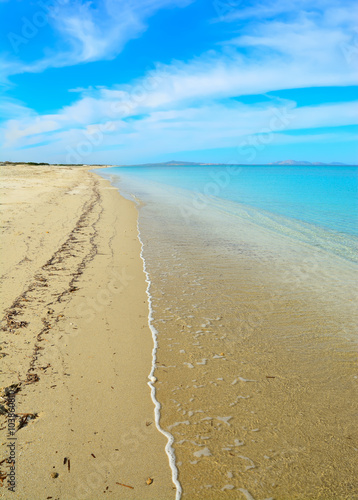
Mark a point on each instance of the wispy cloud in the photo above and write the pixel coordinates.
(194, 104)
(192, 126)
(89, 32)
(271, 9)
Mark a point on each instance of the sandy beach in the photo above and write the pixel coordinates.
(76, 348)
(256, 363)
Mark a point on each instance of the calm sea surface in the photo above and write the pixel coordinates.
(326, 196)
(253, 276)
(315, 204)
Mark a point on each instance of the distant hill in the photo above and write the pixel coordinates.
(178, 163)
(173, 163)
(294, 162)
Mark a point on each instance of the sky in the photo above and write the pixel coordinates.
(137, 81)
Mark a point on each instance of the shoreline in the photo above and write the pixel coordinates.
(256, 368)
(76, 303)
(152, 379)
(252, 384)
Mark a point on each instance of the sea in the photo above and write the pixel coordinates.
(252, 274)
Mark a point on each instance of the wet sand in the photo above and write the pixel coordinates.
(257, 359)
(75, 343)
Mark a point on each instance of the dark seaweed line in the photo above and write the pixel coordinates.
(57, 257)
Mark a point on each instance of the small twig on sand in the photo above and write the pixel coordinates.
(126, 485)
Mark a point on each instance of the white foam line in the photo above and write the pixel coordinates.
(168, 448)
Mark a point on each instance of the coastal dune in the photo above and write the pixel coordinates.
(76, 347)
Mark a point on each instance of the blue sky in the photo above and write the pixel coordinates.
(131, 81)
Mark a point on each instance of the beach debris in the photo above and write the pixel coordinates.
(270, 376)
(148, 424)
(44, 367)
(69, 465)
(149, 480)
(3, 410)
(25, 419)
(54, 475)
(11, 323)
(93, 455)
(12, 389)
(65, 461)
(126, 486)
(32, 378)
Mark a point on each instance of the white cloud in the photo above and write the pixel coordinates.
(269, 9)
(192, 105)
(90, 33)
(163, 131)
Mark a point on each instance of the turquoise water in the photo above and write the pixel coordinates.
(324, 196)
(251, 273)
(317, 205)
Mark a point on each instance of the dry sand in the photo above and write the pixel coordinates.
(76, 346)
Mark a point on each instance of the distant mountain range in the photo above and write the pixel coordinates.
(178, 163)
(293, 162)
(174, 163)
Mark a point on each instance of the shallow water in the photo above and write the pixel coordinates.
(256, 320)
(323, 196)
